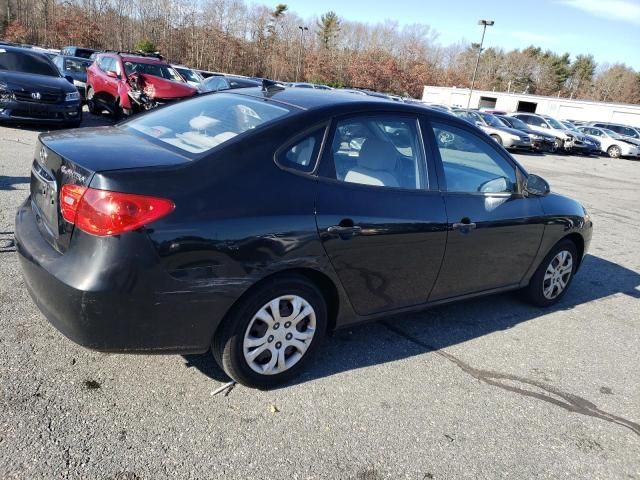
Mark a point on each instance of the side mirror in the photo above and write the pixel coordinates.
(69, 78)
(112, 74)
(478, 123)
(535, 185)
(544, 125)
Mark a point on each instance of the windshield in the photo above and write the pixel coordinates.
(75, 65)
(517, 123)
(554, 123)
(24, 62)
(571, 127)
(155, 69)
(189, 75)
(491, 120)
(203, 123)
(611, 133)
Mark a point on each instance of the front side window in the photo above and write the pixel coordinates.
(378, 150)
(198, 125)
(471, 164)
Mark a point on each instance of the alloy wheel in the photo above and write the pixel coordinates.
(614, 151)
(279, 334)
(557, 274)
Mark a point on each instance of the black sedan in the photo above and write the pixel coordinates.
(33, 90)
(252, 222)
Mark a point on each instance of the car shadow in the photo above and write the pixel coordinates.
(434, 329)
(9, 182)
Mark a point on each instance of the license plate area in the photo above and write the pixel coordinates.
(44, 195)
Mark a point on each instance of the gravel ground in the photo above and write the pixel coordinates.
(490, 388)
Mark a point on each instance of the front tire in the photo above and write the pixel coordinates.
(271, 334)
(553, 277)
(91, 103)
(497, 139)
(614, 151)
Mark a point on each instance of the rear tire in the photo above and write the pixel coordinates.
(258, 348)
(553, 277)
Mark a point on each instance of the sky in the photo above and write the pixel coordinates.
(607, 29)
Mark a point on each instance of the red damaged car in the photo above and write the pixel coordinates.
(125, 83)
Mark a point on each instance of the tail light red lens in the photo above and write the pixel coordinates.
(102, 212)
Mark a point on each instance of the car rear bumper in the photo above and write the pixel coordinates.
(137, 310)
(34, 112)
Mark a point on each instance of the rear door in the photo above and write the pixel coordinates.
(379, 214)
(494, 231)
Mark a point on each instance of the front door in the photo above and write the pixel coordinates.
(494, 232)
(380, 217)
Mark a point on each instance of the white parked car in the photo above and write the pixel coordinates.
(545, 124)
(612, 143)
(189, 75)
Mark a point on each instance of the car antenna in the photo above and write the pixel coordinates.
(271, 86)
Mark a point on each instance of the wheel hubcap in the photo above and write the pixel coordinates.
(279, 334)
(557, 275)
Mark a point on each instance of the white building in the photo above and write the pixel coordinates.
(561, 108)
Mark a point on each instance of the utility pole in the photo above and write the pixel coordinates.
(485, 24)
(302, 30)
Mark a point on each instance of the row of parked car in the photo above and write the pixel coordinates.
(38, 85)
(43, 85)
(530, 131)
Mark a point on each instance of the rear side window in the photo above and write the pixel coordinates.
(471, 164)
(198, 125)
(302, 154)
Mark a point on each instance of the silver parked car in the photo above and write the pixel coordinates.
(505, 136)
(612, 143)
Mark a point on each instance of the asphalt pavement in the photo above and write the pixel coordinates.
(490, 388)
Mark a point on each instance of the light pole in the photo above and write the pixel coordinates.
(485, 24)
(302, 30)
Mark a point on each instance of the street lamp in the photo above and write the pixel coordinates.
(485, 24)
(302, 30)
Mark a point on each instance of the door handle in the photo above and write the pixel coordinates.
(464, 227)
(340, 230)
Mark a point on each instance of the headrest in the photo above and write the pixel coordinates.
(377, 155)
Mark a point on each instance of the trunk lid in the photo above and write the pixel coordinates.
(73, 157)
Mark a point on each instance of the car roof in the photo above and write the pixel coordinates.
(132, 57)
(313, 99)
(11, 48)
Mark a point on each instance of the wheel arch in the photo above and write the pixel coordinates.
(578, 241)
(325, 284)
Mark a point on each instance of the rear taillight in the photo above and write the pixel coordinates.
(101, 212)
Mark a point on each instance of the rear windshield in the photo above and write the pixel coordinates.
(24, 62)
(75, 65)
(189, 75)
(83, 52)
(203, 123)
